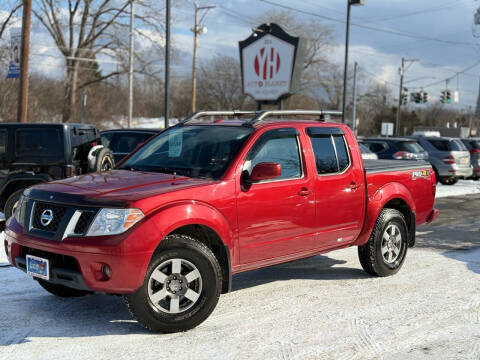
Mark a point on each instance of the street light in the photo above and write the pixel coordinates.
(347, 38)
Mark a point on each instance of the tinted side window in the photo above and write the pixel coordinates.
(279, 146)
(342, 152)
(325, 157)
(331, 154)
(34, 143)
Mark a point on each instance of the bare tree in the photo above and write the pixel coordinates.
(4, 23)
(220, 85)
(86, 29)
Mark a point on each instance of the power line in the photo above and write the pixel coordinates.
(372, 28)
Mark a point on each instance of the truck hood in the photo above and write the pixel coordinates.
(115, 186)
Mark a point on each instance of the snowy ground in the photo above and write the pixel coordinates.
(463, 187)
(324, 307)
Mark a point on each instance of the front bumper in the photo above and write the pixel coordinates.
(78, 264)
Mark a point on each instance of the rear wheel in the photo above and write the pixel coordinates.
(385, 251)
(449, 180)
(11, 203)
(181, 287)
(60, 290)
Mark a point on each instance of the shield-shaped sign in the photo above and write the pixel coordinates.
(271, 62)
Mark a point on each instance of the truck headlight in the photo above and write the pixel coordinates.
(114, 221)
(19, 213)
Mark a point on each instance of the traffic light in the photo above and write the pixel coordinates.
(424, 97)
(446, 97)
(443, 97)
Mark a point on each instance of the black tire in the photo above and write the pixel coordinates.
(11, 203)
(104, 161)
(370, 254)
(449, 180)
(60, 290)
(195, 253)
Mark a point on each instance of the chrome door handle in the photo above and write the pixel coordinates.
(304, 192)
(354, 185)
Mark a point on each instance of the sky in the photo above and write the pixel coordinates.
(438, 34)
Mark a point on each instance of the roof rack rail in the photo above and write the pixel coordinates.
(200, 114)
(324, 115)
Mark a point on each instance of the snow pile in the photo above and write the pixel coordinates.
(463, 187)
(3, 255)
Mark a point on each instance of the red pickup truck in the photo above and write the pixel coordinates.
(217, 194)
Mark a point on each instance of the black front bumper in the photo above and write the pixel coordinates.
(66, 277)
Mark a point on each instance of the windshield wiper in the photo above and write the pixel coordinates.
(131, 168)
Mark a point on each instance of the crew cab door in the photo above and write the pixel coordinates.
(339, 187)
(275, 217)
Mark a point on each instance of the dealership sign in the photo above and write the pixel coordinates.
(271, 62)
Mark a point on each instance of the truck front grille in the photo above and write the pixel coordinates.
(47, 216)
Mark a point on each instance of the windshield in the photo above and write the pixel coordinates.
(193, 151)
(410, 146)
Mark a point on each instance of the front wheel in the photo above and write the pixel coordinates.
(181, 287)
(385, 251)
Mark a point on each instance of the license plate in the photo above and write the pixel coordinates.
(38, 267)
(464, 161)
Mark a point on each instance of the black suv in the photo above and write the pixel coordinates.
(396, 148)
(35, 153)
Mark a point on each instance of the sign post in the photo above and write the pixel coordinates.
(271, 64)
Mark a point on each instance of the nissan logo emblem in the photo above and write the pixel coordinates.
(46, 217)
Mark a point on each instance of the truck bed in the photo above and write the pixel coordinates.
(376, 166)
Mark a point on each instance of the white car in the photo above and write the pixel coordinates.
(367, 154)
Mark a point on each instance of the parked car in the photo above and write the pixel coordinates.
(202, 201)
(396, 148)
(473, 145)
(123, 141)
(367, 154)
(37, 153)
(449, 158)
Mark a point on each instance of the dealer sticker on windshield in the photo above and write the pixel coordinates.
(420, 173)
(38, 267)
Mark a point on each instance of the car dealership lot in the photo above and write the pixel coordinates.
(322, 307)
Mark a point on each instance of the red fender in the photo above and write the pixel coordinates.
(377, 202)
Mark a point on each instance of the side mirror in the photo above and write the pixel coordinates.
(265, 171)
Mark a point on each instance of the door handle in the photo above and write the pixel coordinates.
(304, 192)
(354, 185)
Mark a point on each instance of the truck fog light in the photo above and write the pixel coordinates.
(106, 271)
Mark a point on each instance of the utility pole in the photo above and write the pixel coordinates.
(197, 30)
(354, 101)
(167, 64)
(25, 54)
(347, 40)
(130, 64)
(399, 108)
(402, 72)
